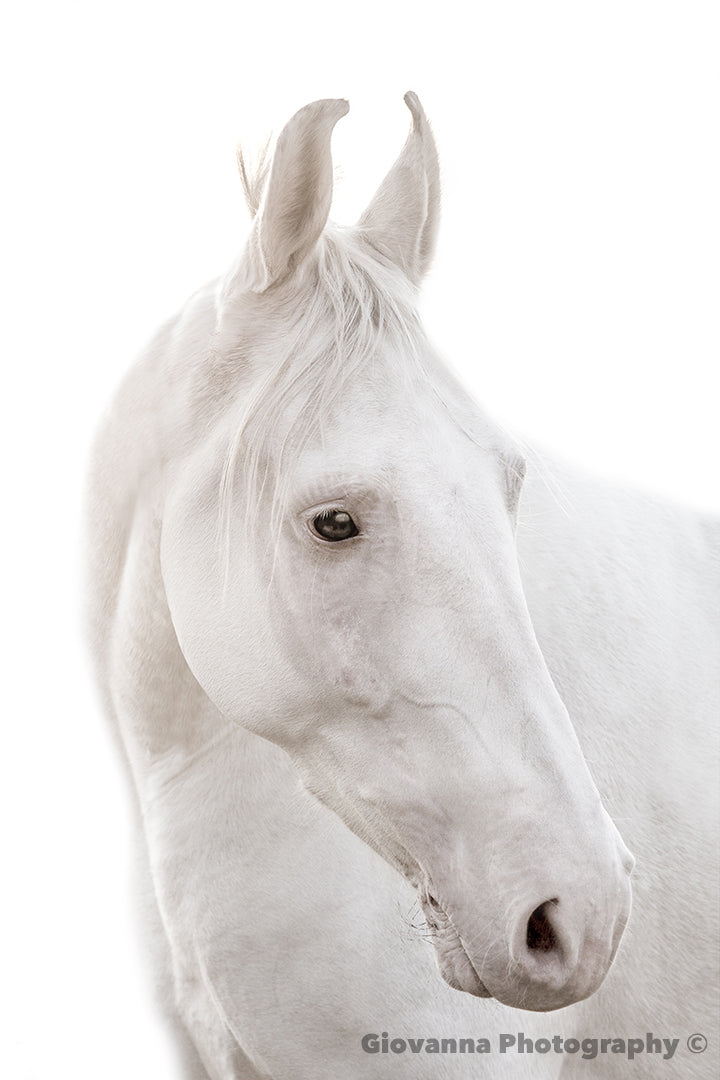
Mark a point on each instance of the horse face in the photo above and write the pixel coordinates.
(381, 637)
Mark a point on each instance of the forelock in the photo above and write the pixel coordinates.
(350, 305)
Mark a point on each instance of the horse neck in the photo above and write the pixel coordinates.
(158, 704)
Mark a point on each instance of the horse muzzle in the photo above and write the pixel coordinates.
(553, 954)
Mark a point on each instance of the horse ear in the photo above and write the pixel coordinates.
(296, 201)
(403, 217)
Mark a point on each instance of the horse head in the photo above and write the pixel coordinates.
(340, 564)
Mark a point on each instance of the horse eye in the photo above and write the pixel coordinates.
(335, 525)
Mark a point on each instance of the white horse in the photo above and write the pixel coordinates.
(358, 674)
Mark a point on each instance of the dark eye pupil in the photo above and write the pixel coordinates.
(335, 525)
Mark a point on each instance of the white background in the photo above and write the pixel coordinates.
(576, 289)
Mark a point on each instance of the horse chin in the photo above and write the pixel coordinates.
(457, 969)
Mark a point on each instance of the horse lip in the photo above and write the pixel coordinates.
(449, 969)
(482, 990)
(468, 985)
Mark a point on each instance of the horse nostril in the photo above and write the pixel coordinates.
(540, 936)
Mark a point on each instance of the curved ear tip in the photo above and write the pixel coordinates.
(337, 107)
(413, 103)
(332, 108)
(341, 106)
